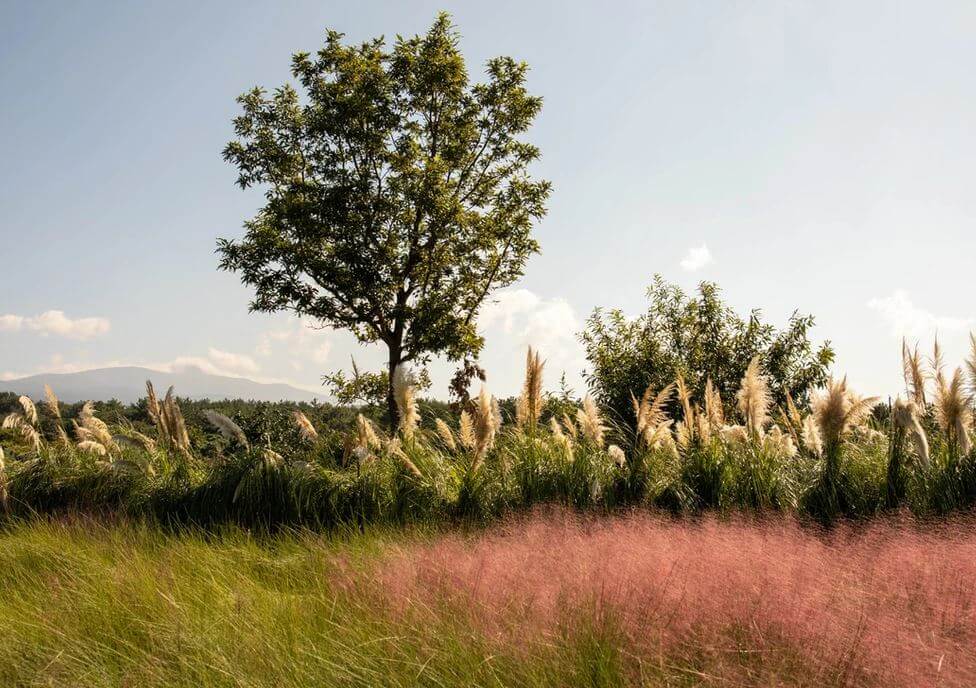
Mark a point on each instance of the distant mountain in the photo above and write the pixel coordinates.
(128, 384)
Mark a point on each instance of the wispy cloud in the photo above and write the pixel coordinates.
(525, 318)
(56, 323)
(906, 319)
(301, 340)
(696, 258)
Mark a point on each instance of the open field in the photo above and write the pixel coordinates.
(549, 599)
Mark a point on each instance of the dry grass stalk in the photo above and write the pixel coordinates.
(810, 434)
(466, 431)
(714, 408)
(569, 426)
(838, 410)
(366, 434)
(487, 422)
(446, 434)
(152, 404)
(30, 411)
(590, 423)
(906, 415)
(172, 425)
(911, 362)
(780, 442)
(953, 410)
(271, 457)
(305, 427)
(406, 401)
(51, 402)
(617, 455)
(93, 447)
(753, 398)
(528, 408)
(228, 428)
(650, 412)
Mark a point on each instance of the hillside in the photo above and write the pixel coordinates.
(128, 384)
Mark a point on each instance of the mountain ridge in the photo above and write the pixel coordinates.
(128, 385)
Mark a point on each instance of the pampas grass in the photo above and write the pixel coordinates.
(30, 411)
(591, 423)
(753, 398)
(51, 402)
(406, 402)
(305, 427)
(487, 422)
(812, 440)
(953, 410)
(445, 434)
(93, 447)
(228, 428)
(911, 361)
(528, 407)
(905, 415)
(838, 410)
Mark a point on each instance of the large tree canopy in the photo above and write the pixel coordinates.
(398, 195)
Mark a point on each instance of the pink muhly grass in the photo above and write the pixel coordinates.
(890, 603)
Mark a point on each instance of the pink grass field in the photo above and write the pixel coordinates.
(728, 602)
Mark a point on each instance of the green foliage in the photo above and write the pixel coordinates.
(699, 338)
(398, 194)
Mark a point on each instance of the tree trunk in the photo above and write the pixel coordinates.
(393, 412)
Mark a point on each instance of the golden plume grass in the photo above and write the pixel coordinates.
(650, 411)
(446, 434)
(590, 423)
(30, 411)
(528, 407)
(569, 426)
(714, 408)
(753, 398)
(617, 455)
(305, 427)
(152, 404)
(172, 425)
(93, 447)
(51, 402)
(406, 402)
(905, 415)
(953, 410)
(487, 422)
(228, 428)
(466, 431)
(810, 435)
(838, 410)
(911, 363)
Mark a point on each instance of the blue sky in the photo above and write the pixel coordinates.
(814, 156)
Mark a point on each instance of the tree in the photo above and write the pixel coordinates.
(699, 338)
(398, 195)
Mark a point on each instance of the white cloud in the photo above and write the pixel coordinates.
(907, 319)
(300, 339)
(518, 318)
(234, 362)
(696, 258)
(56, 323)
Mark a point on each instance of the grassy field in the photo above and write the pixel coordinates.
(552, 598)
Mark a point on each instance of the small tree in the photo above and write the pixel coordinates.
(699, 338)
(398, 194)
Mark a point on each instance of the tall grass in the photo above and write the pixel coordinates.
(847, 456)
(548, 599)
